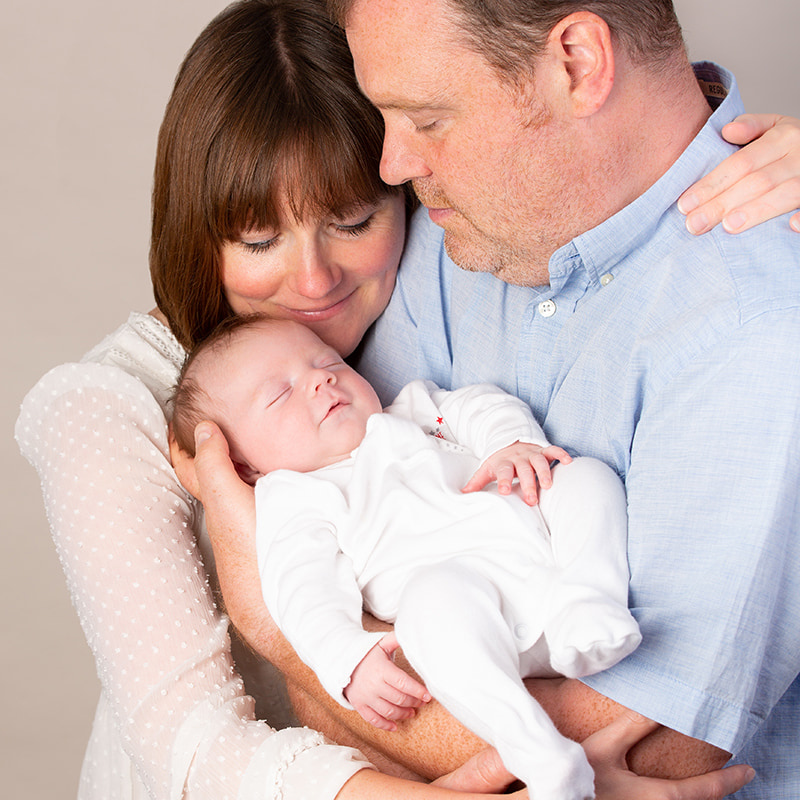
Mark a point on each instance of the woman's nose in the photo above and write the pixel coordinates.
(313, 273)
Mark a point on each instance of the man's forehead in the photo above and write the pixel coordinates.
(403, 60)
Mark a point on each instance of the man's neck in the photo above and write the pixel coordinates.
(647, 124)
(661, 117)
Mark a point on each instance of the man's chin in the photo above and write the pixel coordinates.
(468, 255)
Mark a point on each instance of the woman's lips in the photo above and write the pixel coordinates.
(317, 314)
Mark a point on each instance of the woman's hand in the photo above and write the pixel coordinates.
(211, 477)
(759, 182)
(484, 773)
(607, 750)
(230, 515)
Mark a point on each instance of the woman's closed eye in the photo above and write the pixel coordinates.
(260, 246)
(355, 228)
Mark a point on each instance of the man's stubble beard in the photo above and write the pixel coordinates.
(473, 250)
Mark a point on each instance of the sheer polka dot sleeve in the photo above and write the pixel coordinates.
(124, 531)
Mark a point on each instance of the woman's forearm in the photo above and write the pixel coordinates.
(428, 745)
(371, 785)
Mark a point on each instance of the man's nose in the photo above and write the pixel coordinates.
(400, 159)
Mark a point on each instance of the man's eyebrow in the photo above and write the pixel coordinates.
(440, 100)
(398, 105)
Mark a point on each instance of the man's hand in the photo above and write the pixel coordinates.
(758, 183)
(382, 692)
(607, 751)
(527, 462)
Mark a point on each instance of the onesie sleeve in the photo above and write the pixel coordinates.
(309, 584)
(487, 419)
(124, 531)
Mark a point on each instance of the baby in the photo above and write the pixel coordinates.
(393, 511)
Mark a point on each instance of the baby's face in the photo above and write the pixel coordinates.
(289, 401)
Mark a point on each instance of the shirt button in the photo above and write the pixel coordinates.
(520, 630)
(547, 308)
(606, 279)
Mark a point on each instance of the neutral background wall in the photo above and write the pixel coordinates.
(82, 88)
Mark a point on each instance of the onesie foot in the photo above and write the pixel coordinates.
(588, 637)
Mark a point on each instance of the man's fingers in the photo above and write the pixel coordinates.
(612, 743)
(714, 785)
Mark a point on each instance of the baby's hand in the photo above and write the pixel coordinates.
(527, 462)
(382, 692)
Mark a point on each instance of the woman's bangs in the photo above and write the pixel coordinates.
(324, 173)
(312, 165)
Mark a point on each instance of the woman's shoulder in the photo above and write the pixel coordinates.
(132, 371)
(140, 357)
(144, 348)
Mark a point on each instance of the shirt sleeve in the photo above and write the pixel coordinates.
(713, 539)
(309, 584)
(124, 531)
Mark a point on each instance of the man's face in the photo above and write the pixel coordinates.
(489, 159)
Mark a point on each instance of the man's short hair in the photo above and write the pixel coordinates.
(511, 34)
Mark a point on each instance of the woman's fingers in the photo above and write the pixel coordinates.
(482, 773)
(228, 501)
(760, 181)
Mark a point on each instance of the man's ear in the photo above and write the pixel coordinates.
(581, 43)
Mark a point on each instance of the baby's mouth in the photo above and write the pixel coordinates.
(335, 407)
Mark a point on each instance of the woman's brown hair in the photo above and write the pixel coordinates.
(265, 110)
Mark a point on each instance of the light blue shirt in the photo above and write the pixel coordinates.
(674, 359)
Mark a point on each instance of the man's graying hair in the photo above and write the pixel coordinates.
(511, 34)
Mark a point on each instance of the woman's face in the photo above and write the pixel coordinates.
(334, 275)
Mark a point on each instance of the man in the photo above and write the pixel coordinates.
(549, 141)
(551, 151)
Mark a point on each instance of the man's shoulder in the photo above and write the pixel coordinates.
(762, 265)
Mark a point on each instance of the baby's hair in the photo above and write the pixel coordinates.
(191, 404)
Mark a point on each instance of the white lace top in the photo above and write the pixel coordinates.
(173, 720)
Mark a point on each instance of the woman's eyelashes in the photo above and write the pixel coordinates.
(355, 228)
(339, 227)
(261, 246)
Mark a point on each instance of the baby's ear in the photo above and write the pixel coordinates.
(247, 473)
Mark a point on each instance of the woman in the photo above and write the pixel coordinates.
(265, 131)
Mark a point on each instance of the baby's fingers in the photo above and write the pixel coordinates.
(380, 715)
(553, 453)
(483, 477)
(528, 484)
(403, 690)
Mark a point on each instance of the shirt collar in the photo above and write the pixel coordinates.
(602, 248)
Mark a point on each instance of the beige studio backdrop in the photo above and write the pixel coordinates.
(82, 90)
